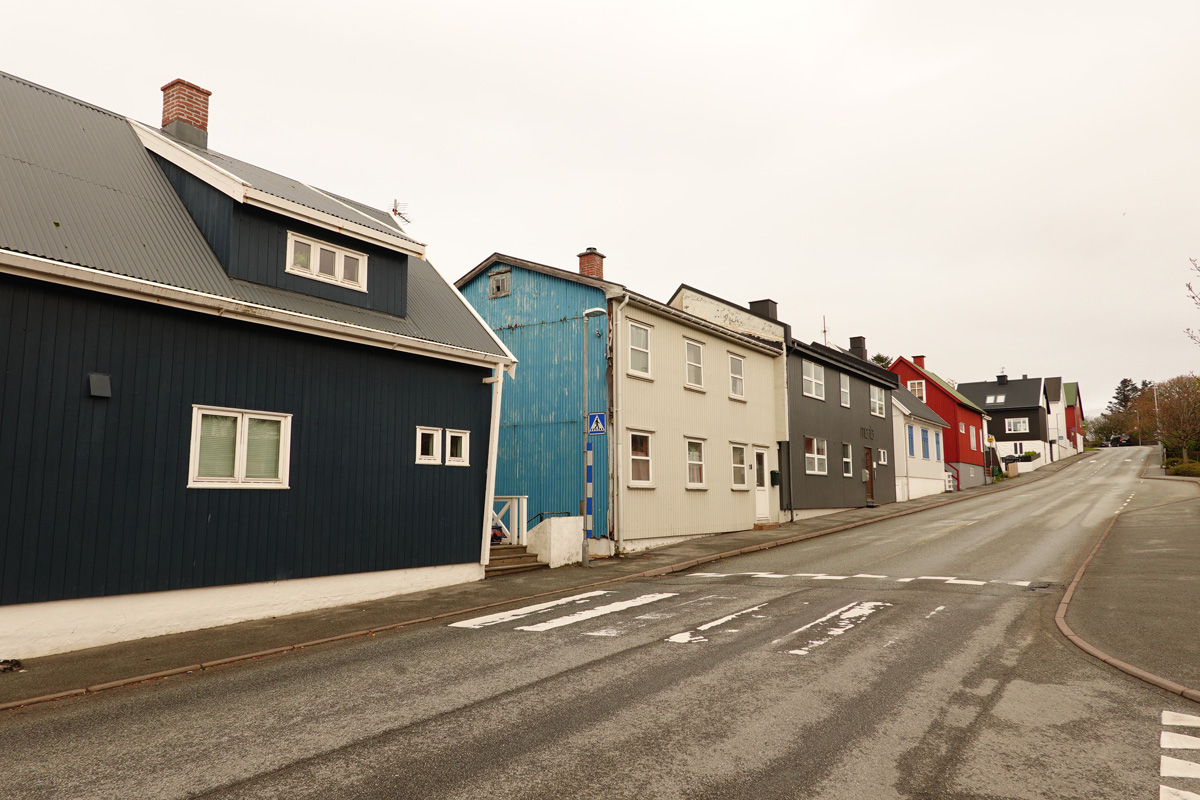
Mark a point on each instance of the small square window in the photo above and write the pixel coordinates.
(816, 456)
(429, 445)
(498, 284)
(458, 448)
(918, 389)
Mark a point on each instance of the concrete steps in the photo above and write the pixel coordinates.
(507, 559)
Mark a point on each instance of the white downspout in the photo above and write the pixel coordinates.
(616, 437)
(497, 382)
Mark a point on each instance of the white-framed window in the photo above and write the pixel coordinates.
(639, 348)
(847, 460)
(458, 448)
(877, 401)
(693, 356)
(429, 445)
(640, 472)
(999, 398)
(813, 379)
(326, 262)
(972, 472)
(234, 448)
(695, 463)
(918, 389)
(737, 376)
(1016, 425)
(973, 447)
(883, 457)
(845, 381)
(738, 454)
(498, 284)
(816, 456)
(991, 398)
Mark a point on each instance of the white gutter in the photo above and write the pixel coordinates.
(616, 437)
(57, 272)
(497, 382)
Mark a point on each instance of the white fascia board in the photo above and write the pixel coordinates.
(63, 274)
(220, 179)
(289, 208)
(243, 192)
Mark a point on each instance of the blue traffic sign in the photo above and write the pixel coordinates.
(596, 424)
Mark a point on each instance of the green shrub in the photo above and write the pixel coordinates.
(1031, 454)
(1171, 462)
(1189, 469)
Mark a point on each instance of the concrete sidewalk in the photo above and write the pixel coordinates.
(99, 668)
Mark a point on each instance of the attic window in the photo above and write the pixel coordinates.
(326, 262)
(994, 398)
(498, 284)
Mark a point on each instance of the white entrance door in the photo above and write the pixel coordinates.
(762, 495)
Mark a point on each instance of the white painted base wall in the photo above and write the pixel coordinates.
(912, 487)
(30, 630)
(638, 545)
(809, 513)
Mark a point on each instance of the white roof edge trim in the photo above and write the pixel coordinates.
(510, 370)
(354, 210)
(289, 208)
(45, 269)
(220, 179)
(703, 324)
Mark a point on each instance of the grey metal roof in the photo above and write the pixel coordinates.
(916, 408)
(1018, 393)
(864, 369)
(77, 186)
(1054, 389)
(298, 192)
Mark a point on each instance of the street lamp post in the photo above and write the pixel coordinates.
(587, 440)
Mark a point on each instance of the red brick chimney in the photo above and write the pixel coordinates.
(591, 263)
(185, 112)
(919, 361)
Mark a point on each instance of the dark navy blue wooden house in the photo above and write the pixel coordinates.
(214, 376)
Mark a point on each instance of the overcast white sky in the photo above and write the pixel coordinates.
(993, 185)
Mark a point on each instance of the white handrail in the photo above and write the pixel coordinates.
(514, 508)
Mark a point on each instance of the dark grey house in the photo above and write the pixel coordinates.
(840, 450)
(213, 379)
(1019, 411)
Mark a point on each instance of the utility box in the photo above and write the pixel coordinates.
(1014, 469)
(775, 480)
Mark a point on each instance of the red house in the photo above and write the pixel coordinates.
(1074, 415)
(964, 437)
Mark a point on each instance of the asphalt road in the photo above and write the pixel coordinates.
(911, 658)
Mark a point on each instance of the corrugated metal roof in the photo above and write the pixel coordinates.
(1019, 393)
(916, 408)
(77, 186)
(1072, 392)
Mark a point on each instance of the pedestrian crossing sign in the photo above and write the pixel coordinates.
(596, 424)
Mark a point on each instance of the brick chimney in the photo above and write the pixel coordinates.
(185, 112)
(919, 361)
(591, 263)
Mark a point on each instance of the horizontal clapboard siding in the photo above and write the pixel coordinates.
(93, 496)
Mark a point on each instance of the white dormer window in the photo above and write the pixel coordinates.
(326, 262)
(918, 389)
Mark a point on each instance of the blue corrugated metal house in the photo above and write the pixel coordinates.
(224, 394)
(537, 311)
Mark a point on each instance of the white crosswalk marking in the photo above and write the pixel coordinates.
(688, 637)
(1177, 768)
(963, 582)
(847, 618)
(1175, 718)
(1179, 741)
(521, 613)
(1167, 793)
(599, 611)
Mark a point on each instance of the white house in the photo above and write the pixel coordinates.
(920, 451)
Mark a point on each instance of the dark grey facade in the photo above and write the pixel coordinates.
(93, 491)
(1024, 398)
(867, 435)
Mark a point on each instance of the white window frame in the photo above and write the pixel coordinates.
(962, 427)
(1000, 398)
(648, 458)
(1010, 427)
(844, 380)
(990, 400)
(744, 485)
(737, 382)
(820, 456)
(465, 459)
(239, 479)
(436, 457)
(649, 341)
(878, 402)
(688, 363)
(973, 445)
(918, 389)
(340, 254)
(687, 458)
(495, 279)
(883, 457)
(812, 379)
(847, 460)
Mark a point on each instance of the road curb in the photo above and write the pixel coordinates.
(1060, 619)
(649, 573)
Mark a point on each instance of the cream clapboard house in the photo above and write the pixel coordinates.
(698, 413)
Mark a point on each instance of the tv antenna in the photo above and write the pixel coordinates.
(401, 210)
(825, 330)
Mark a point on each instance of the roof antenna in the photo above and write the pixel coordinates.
(401, 210)
(825, 330)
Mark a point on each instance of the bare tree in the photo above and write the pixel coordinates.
(1177, 422)
(1194, 294)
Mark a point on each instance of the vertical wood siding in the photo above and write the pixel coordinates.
(93, 496)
